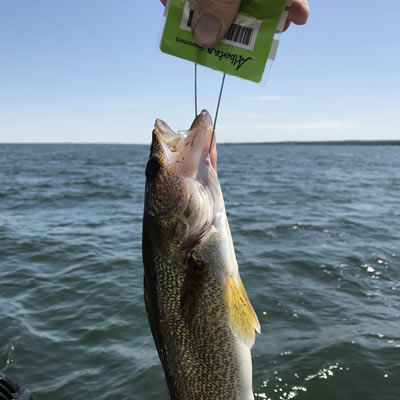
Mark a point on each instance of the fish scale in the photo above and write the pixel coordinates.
(198, 342)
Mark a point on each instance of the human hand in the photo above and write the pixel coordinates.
(213, 18)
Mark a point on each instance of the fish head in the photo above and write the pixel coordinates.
(182, 188)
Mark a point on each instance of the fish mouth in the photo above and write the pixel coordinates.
(188, 148)
(189, 159)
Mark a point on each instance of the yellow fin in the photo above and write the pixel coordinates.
(244, 318)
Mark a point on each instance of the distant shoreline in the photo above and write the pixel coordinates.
(291, 143)
(328, 142)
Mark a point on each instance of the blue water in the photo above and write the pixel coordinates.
(317, 236)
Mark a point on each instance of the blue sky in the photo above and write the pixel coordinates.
(91, 71)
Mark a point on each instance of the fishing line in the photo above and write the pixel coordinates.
(218, 104)
(195, 90)
(216, 112)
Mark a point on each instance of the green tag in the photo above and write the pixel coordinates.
(245, 49)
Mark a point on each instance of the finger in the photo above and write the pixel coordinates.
(299, 12)
(212, 19)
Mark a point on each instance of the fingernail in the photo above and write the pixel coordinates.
(206, 32)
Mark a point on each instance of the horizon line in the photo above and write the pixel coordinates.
(286, 142)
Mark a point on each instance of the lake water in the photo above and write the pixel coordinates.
(316, 230)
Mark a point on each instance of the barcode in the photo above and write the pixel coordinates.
(236, 33)
(239, 34)
(189, 23)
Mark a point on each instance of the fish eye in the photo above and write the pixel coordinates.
(152, 168)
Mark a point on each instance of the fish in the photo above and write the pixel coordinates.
(200, 316)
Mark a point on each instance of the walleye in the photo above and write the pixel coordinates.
(199, 313)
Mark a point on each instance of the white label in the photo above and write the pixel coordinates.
(274, 49)
(282, 21)
(166, 8)
(242, 33)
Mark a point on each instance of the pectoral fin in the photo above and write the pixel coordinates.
(243, 317)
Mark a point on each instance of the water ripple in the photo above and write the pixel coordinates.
(316, 236)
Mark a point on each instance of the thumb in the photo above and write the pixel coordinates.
(212, 19)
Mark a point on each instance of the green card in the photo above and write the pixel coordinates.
(246, 47)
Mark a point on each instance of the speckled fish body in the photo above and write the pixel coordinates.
(200, 316)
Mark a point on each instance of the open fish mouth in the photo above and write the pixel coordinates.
(189, 147)
(182, 178)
